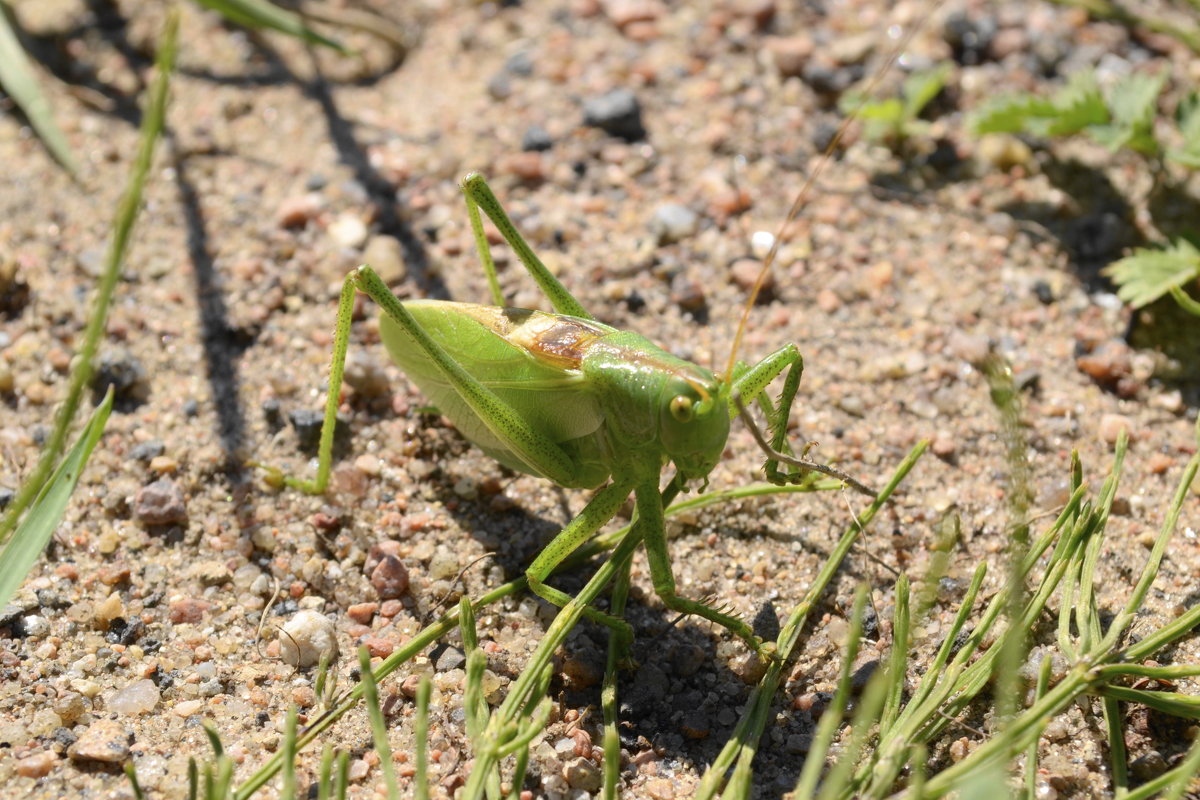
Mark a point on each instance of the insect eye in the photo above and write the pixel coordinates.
(681, 408)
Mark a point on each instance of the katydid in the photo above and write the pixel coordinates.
(564, 397)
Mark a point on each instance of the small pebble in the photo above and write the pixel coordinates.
(8, 381)
(306, 637)
(188, 610)
(1108, 363)
(296, 211)
(34, 626)
(108, 609)
(377, 646)
(119, 369)
(450, 658)
(973, 348)
(790, 53)
(617, 113)
(385, 255)
(583, 775)
(969, 36)
(366, 374)
(688, 293)
(672, 223)
(536, 139)
(378, 551)
(749, 667)
(139, 697)
(526, 165)
(307, 422)
(37, 765)
(348, 230)
(1111, 426)
(744, 272)
(362, 613)
(160, 503)
(390, 578)
(147, 451)
(187, 708)
(105, 740)
(164, 465)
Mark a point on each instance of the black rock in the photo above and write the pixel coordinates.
(617, 113)
(536, 139)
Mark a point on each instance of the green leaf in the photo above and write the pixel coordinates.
(921, 87)
(262, 14)
(1077, 106)
(1147, 275)
(1187, 114)
(17, 78)
(1134, 104)
(1008, 114)
(29, 539)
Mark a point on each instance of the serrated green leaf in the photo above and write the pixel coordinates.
(1077, 106)
(29, 539)
(17, 79)
(1134, 98)
(1008, 114)
(1134, 104)
(262, 14)
(1146, 275)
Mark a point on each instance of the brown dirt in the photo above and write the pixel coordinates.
(902, 276)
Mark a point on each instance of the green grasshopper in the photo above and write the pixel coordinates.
(564, 397)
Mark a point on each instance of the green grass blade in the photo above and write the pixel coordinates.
(27, 543)
(831, 720)
(288, 790)
(378, 725)
(261, 14)
(421, 735)
(18, 80)
(127, 210)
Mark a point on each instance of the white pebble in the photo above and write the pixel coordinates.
(139, 697)
(305, 638)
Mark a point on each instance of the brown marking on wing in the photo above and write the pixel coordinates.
(552, 338)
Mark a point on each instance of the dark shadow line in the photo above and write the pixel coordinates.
(222, 344)
(380, 191)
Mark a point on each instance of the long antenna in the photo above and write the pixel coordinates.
(802, 195)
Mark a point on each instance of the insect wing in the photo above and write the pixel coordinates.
(528, 358)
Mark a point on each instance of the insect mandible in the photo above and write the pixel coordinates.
(565, 397)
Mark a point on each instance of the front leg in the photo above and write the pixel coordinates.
(751, 385)
(654, 533)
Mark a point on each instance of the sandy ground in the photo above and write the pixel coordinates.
(283, 170)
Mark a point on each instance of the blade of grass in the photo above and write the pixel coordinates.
(743, 743)
(21, 551)
(18, 80)
(261, 14)
(378, 726)
(608, 691)
(127, 211)
(421, 737)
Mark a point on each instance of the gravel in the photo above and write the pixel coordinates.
(897, 285)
